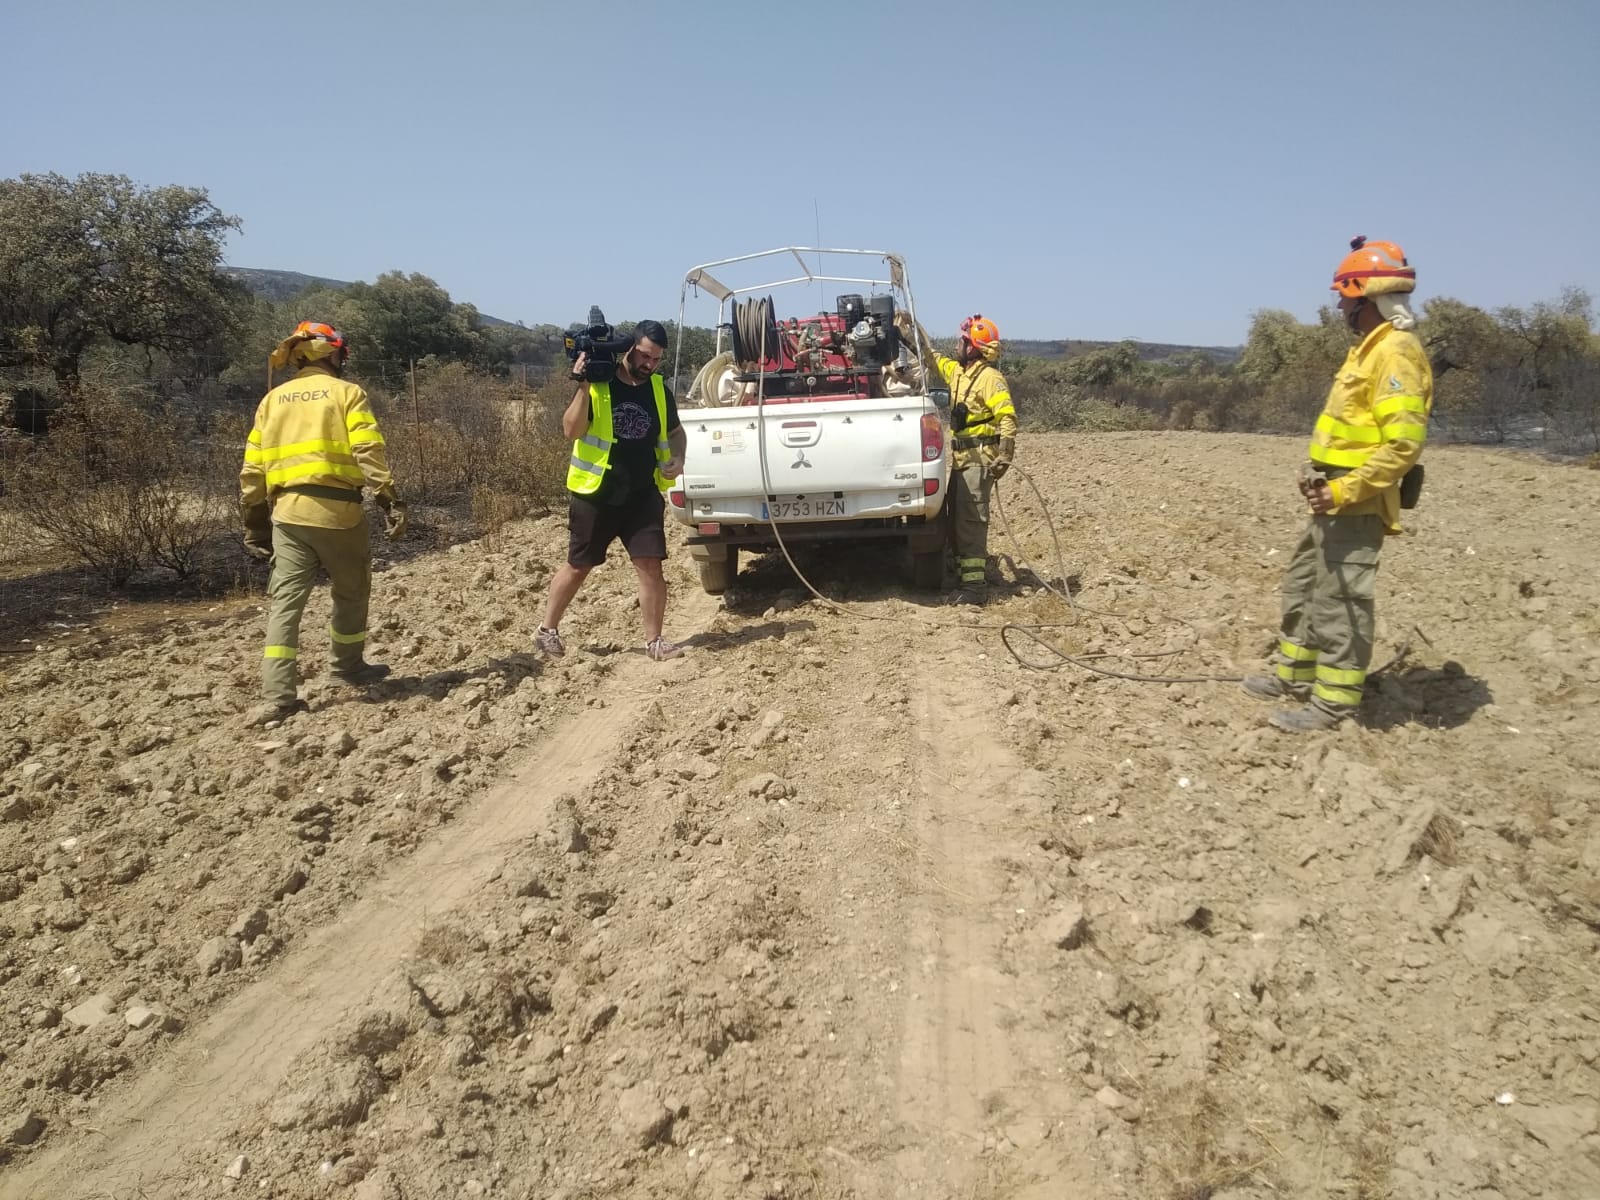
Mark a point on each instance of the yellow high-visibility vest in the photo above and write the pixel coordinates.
(591, 453)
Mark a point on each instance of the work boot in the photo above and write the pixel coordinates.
(361, 673)
(549, 642)
(1270, 687)
(271, 711)
(1313, 718)
(974, 594)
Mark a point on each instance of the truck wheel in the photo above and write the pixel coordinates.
(927, 569)
(716, 575)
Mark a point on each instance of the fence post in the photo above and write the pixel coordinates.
(416, 428)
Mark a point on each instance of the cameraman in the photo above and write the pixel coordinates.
(627, 448)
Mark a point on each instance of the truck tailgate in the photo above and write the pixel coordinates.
(847, 446)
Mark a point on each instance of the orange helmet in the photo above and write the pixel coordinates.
(319, 332)
(310, 341)
(980, 331)
(1374, 269)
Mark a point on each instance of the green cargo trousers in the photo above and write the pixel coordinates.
(969, 528)
(297, 552)
(1328, 609)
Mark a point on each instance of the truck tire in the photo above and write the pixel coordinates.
(926, 546)
(716, 574)
(927, 569)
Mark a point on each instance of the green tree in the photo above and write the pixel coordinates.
(1105, 367)
(504, 348)
(101, 258)
(1289, 365)
(1550, 337)
(409, 317)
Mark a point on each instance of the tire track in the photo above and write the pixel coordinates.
(235, 1059)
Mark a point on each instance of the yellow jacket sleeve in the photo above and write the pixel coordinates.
(253, 475)
(366, 444)
(998, 398)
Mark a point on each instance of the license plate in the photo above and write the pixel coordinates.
(803, 508)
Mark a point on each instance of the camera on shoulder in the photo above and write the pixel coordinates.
(601, 342)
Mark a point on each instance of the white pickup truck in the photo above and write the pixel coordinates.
(814, 428)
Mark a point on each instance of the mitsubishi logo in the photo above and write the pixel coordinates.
(799, 460)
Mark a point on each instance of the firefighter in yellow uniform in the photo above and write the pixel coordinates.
(983, 441)
(314, 444)
(1365, 443)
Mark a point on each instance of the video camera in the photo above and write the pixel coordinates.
(600, 342)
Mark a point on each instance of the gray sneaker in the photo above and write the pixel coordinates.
(1270, 687)
(660, 649)
(549, 641)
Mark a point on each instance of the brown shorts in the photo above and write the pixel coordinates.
(591, 528)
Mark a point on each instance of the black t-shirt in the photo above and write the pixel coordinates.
(636, 429)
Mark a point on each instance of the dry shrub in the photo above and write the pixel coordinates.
(477, 438)
(1203, 1149)
(120, 488)
(1441, 840)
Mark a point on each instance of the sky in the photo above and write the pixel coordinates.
(1150, 170)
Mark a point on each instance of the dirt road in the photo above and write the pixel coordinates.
(844, 903)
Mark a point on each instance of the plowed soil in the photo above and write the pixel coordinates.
(851, 900)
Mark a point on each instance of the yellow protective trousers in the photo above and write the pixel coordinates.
(297, 552)
(1329, 591)
(969, 525)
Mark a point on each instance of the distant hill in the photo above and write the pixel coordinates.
(279, 286)
(1148, 351)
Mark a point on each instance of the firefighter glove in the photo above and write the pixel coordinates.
(394, 516)
(1309, 479)
(258, 530)
(1002, 464)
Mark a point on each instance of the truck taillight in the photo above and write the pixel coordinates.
(930, 487)
(932, 437)
(676, 498)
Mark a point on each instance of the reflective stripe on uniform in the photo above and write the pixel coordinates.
(1366, 434)
(1394, 404)
(271, 454)
(1299, 663)
(280, 652)
(1412, 433)
(1344, 697)
(1338, 685)
(347, 639)
(282, 475)
(1336, 458)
